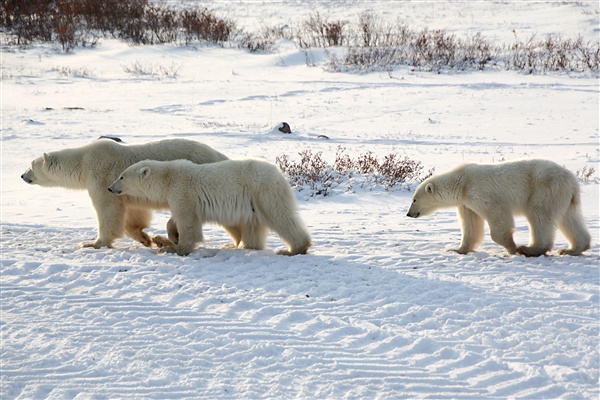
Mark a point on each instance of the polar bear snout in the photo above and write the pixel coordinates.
(26, 176)
(412, 210)
(114, 190)
(26, 179)
(413, 214)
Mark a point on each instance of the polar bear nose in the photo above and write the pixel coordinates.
(110, 189)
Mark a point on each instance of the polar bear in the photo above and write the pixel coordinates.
(94, 166)
(541, 190)
(246, 197)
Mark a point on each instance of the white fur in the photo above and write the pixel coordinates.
(541, 190)
(247, 197)
(96, 165)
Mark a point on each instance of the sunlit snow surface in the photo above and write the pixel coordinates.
(379, 308)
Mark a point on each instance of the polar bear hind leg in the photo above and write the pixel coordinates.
(297, 243)
(276, 210)
(541, 233)
(572, 226)
(136, 220)
(253, 235)
(293, 233)
(546, 204)
(502, 227)
(172, 236)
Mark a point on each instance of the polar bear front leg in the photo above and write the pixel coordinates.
(189, 229)
(472, 227)
(110, 213)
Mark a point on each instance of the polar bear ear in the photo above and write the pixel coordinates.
(145, 171)
(429, 188)
(47, 160)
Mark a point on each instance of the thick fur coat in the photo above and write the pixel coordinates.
(547, 194)
(246, 197)
(95, 166)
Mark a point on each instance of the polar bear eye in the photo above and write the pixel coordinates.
(121, 178)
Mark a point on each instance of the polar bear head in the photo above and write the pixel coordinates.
(45, 170)
(134, 181)
(426, 200)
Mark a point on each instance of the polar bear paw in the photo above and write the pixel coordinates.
(461, 250)
(161, 241)
(570, 252)
(531, 251)
(96, 244)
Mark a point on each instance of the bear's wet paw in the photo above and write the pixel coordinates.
(161, 241)
(530, 251)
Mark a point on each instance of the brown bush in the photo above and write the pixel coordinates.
(80, 22)
(318, 31)
(203, 25)
(319, 177)
(372, 43)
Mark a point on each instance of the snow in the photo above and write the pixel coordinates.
(379, 308)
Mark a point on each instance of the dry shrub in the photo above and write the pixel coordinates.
(263, 41)
(313, 173)
(162, 24)
(318, 31)
(27, 20)
(203, 25)
(378, 44)
(371, 44)
(81, 22)
(586, 174)
(554, 53)
(375, 44)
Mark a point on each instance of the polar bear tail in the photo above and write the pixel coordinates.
(573, 227)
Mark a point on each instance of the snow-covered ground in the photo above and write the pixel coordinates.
(379, 308)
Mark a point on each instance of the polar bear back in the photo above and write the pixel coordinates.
(227, 192)
(106, 157)
(517, 181)
(95, 165)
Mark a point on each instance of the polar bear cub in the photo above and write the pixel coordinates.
(246, 197)
(545, 193)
